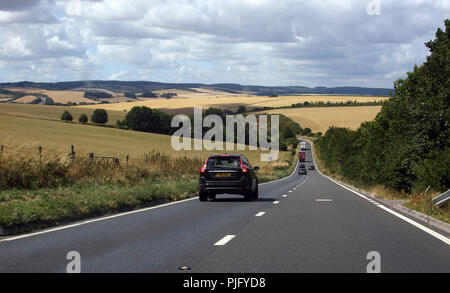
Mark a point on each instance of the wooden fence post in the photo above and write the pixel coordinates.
(1, 149)
(91, 156)
(72, 152)
(128, 158)
(40, 152)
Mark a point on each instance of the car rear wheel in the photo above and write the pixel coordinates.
(255, 193)
(248, 195)
(212, 196)
(202, 196)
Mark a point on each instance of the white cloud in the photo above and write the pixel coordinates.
(305, 42)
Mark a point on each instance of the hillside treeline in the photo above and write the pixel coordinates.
(151, 120)
(407, 146)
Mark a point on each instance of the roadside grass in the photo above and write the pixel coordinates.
(419, 202)
(25, 210)
(279, 169)
(423, 204)
(33, 172)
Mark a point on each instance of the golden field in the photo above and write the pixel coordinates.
(25, 99)
(320, 119)
(187, 99)
(226, 101)
(49, 112)
(24, 134)
(62, 97)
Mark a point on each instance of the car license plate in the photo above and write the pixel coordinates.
(223, 175)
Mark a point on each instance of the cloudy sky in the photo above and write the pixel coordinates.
(281, 42)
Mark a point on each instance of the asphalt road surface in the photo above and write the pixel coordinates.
(302, 223)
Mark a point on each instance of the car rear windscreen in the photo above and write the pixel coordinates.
(224, 162)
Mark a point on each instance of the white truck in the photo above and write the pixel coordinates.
(302, 145)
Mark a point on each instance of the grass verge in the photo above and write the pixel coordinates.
(25, 210)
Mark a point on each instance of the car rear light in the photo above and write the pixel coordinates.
(243, 168)
(203, 169)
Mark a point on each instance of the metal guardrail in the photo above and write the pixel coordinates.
(441, 199)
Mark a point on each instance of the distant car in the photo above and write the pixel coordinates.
(311, 167)
(302, 171)
(228, 174)
(302, 166)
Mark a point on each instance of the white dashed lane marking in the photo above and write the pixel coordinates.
(260, 214)
(224, 240)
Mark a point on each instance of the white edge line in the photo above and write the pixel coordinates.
(224, 240)
(429, 231)
(95, 220)
(406, 219)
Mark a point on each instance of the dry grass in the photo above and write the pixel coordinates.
(320, 119)
(27, 171)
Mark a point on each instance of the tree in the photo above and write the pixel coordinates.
(129, 95)
(95, 95)
(139, 119)
(83, 118)
(149, 94)
(148, 120)
(240, 110)
(306, 131)
(407, 146)
(66, 116)
(99, 116)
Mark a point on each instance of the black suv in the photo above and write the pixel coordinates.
(228, 174)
